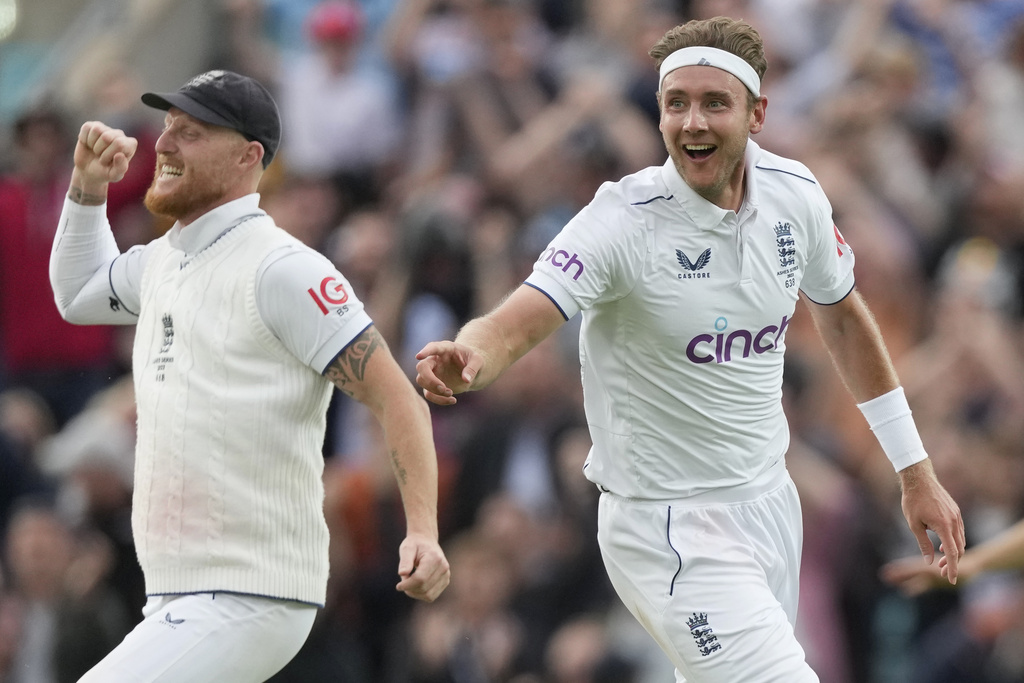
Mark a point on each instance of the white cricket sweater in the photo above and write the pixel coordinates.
(228, 490)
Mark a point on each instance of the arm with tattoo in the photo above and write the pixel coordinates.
(80, 196)
(367, 372)
(350, 365)
(84, 249)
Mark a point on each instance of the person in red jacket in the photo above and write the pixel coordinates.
(65, 364)
(62, 362)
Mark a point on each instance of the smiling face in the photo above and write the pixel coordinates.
(199, 167)
(706, 119)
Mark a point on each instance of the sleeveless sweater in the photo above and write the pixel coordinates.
(228, 490)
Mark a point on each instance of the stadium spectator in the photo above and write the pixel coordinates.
(471, 633)
(341, 118)
(91, 463)
(67, 373)
(69, 617)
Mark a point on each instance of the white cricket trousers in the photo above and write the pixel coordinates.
(714, 578)
(208, 638)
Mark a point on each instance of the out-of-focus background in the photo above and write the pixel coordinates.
(431, 149)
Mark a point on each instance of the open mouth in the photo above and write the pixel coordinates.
(168, 171)
(698, 152)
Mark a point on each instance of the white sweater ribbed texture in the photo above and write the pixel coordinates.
(228, 488)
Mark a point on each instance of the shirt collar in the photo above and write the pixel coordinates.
(706, 215)
(203, 231)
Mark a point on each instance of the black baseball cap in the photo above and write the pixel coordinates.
(227, 99)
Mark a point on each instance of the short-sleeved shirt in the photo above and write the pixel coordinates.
(685, 310)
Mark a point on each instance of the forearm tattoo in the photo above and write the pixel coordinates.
(396, 465)
(350, 365)
(78, 196)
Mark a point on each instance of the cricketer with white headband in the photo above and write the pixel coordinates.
(699, 521)
(712, 56)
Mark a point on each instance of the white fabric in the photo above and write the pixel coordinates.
(890, 419)
(721, 605)
(81, 261)
(207, 638)
(648, 261)
(228, 492)
(712, 56)
(93, 284)
(227, 485)
(308, 305)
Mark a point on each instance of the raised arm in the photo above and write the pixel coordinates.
(368, 372)
(486, 346)
(84, 247)
(859, 355)
(102, 155)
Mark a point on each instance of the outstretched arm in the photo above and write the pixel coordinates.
(486, 346)
(368, 372)
(859, 354)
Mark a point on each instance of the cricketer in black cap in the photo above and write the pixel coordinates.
(225, 98)
(242, 333)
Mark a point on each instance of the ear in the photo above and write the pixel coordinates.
(757, 115)
(252, 154)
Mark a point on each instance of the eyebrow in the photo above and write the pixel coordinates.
(720, 94)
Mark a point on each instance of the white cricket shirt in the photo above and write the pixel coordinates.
(685, 310)
(236, 321)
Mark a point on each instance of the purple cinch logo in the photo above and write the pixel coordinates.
(718, 348)
(563, 260)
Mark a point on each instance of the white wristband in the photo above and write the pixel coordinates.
(890, 419)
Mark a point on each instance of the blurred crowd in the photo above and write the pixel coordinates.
(431, 149)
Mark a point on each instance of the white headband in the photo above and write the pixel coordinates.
(712, 56)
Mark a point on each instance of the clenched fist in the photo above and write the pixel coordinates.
(101, 157)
